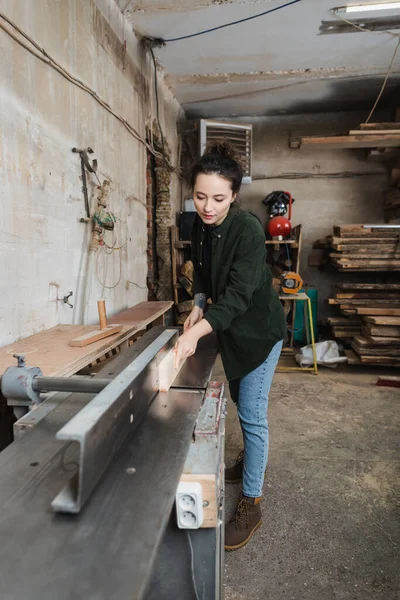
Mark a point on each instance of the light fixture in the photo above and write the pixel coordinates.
(355, 8)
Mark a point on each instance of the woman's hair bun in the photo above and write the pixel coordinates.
(222, 148)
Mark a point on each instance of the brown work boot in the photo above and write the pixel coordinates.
(245, 521)
(235, 474)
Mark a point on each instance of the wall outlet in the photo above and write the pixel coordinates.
(189, 505)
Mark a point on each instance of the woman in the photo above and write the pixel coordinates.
(229, 259)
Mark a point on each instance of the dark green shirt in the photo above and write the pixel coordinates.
(246, 312)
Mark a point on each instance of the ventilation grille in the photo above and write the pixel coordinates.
(239, 136)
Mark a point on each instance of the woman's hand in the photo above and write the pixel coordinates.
(185, 346)
(195, 316)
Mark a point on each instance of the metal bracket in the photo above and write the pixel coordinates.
(102, 427)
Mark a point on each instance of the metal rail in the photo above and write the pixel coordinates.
(102, 427)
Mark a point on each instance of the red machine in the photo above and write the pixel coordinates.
(278, 204)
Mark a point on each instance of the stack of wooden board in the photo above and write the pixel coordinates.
(359, 248)
(379, 343)
(370, 322)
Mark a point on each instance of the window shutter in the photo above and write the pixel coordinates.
(239, 136)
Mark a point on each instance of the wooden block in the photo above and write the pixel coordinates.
(388, 381)
(352, 357)
(167, 371)
(209, 488)
(95, 336)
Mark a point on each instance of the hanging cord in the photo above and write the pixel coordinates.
(192, 566)
(383, 32)
(48, 60)
(266, 12)
(157, 101)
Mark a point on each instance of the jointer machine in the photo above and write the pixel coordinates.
(115, 490)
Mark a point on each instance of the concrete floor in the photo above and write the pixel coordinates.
(331, 505)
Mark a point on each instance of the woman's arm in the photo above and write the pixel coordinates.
(187, 343)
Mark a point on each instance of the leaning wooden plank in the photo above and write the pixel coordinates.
(352, 141)
(352, 357)
(378, 320)
(167, 371)
(388, 381)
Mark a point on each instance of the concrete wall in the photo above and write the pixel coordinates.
(43, 245)
(320, 203)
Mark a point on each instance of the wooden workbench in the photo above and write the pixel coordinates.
(49, 350)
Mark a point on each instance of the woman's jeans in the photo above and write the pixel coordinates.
(252, 409)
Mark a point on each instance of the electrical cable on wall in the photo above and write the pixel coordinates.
(47, 59)
(335, 12)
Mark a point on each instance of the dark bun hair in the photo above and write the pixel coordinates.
(221, 159)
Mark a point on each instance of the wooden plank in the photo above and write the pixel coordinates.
(373, 361)
(50, 351)
(352, 141)
(167, 371)
(209, 489)
(368, 286)
(368, 295)
(357, 241)
(380, 312)
(372, 342)
(376, 352)
(344, 322)
(362, 248)
(364, 256)
(340, 333)
(350, 231)
(394, 321)
(383, 331)
(373, 302)
(95, 335)
(373, 127)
